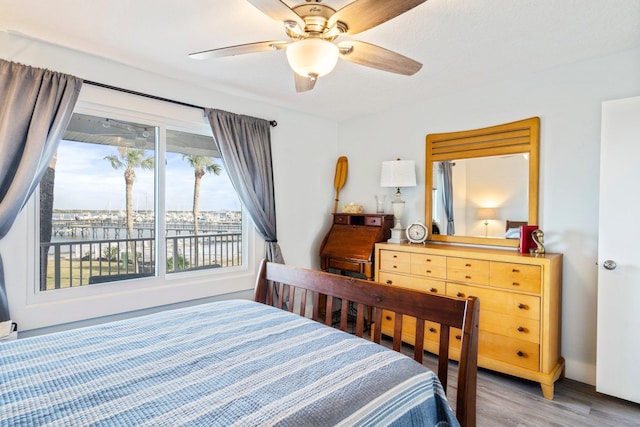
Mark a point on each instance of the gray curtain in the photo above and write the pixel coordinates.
(245, 145)
(35, 109)
(446, 168)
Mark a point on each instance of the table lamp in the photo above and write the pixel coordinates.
(398, 173)
(486, 214)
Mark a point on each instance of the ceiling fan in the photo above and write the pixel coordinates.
(313, 26)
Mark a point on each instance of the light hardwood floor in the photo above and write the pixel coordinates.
(505, 401)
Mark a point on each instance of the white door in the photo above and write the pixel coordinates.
(618, 339)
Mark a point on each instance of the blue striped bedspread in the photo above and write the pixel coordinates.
(226, 363)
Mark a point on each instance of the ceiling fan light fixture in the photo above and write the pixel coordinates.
(312, 57)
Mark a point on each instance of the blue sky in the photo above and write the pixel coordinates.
(85, 180)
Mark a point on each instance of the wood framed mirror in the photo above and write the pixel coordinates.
(486, 180)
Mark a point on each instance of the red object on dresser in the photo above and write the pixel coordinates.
(526, 242)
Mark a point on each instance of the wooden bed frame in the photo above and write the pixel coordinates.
(277, 284)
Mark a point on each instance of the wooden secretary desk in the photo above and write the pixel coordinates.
(349, 245)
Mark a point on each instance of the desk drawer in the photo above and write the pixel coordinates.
(375, 221)
(395, 261)
(341, 219)
(346, 265)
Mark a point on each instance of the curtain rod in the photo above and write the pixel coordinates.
(273, 123)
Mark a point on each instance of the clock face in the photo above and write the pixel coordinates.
(417, 233)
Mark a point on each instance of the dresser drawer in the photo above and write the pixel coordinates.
(395, 261)
(509, 303)
(518, 277)
(468, 270)
(429, 265)
(510, 326)
(416, 283)
(431, 330)
(509, 350)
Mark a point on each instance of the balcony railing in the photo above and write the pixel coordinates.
(85, 262)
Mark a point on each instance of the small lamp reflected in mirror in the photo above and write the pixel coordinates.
(486, 214)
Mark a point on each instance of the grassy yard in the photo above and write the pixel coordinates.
(77, 273)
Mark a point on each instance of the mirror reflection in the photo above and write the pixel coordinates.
(477, 196)
(479, 179)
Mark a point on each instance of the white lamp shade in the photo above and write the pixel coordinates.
(487, 213)
(398, 173)
(312, 57)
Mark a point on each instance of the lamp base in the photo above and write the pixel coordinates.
(398, 236)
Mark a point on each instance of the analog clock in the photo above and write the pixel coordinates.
(417, 232)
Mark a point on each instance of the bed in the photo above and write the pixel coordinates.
(236, 362)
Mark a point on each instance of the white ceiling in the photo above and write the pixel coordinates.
(462, 43)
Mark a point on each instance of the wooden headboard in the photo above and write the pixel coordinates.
(280, 286)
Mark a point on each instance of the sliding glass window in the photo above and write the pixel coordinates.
(98, 219)
(204, 215)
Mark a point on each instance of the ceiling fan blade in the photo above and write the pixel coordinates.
(277, 10)
(304, 84)
(364, 14)
(239, 49)
(378, 57)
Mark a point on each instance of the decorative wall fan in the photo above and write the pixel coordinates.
(313, 27)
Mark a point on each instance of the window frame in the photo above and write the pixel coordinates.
(87, 302)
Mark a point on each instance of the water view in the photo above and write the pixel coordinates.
(104, 163)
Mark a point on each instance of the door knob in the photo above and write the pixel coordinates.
(609, 264)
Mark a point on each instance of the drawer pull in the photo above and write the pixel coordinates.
(521, 329)
(467, 265)
(520, 354)
(428, 271)
(388, 318)
(516, 284)
(395, 266)
(389, 282)
(395, 256)
(428, 259)
(433, 290)
(467, 277)
(458, 337)
(460, 295)
(433, 330)
(522, 306)
(515, 270)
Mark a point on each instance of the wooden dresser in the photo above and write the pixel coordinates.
(349, 245)
(520, 300)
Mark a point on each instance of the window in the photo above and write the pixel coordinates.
(105, 217)
(204, 216)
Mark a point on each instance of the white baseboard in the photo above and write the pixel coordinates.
(580, 371)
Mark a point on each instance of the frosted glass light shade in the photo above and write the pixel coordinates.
(312, 57)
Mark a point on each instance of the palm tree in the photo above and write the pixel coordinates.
(200, 165)
(129, 159)
(46, 217)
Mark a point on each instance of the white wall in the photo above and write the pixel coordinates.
(568, 101)
(303, 174)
